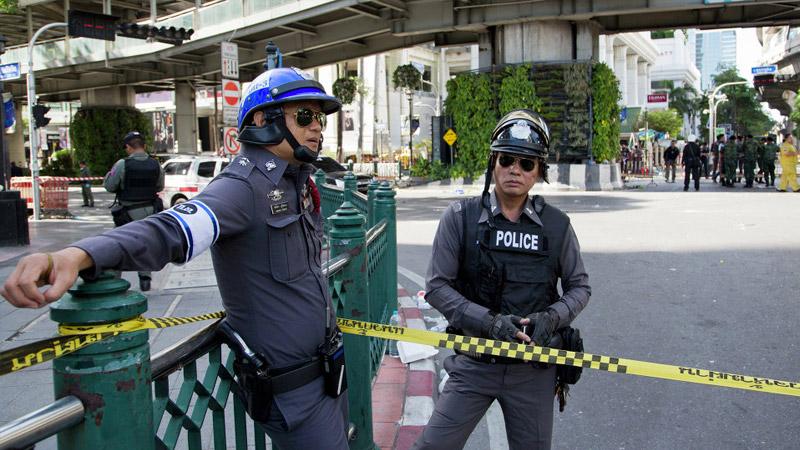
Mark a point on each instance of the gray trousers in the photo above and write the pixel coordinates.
(525, 394)
(139, 214)
(322, 426)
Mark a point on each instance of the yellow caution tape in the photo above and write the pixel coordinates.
(582, 359)
(75, 338)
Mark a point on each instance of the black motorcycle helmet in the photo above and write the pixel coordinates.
(521, 132)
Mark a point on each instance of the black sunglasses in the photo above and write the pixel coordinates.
(304, 116)
(524, 163)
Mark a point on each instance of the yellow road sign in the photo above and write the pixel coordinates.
(450, 136)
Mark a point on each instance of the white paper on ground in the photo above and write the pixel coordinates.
(410, 352)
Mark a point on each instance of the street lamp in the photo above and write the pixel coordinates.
(712, 107)
(4, 175)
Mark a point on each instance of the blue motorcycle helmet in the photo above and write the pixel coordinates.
(267, 93)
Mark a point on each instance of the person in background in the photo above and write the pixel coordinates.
(670, 159)
(691, 163)
(788, 158)
(86, 186)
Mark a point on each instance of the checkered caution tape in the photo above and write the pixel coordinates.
(577, 359)
(74, 338)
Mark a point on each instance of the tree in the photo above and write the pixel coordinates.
(97, 131)
(687, 102)
(345, 90)
(9, 7)
(665, 121)
(408, 78)
(742, 109)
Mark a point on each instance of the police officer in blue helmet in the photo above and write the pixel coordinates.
(261, 220)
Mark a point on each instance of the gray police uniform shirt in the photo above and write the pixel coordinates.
(259, 220)
(443, 272)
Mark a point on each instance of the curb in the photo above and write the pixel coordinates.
(402, 396)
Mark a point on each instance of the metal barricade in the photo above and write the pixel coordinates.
(54, 192)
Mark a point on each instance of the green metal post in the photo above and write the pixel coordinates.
(349, 236)
(112, 377)
(371, 192)
(350, 186)
(385, 207)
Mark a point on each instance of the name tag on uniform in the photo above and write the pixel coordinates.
(517, 241)
(278, 208)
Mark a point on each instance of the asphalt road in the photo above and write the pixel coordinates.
(700, 279)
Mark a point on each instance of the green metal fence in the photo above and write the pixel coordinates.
(193, 380)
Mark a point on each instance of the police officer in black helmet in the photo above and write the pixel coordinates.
(496, 262)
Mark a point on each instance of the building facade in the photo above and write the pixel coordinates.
(715, 51)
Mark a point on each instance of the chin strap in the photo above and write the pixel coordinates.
(486, 202)
(300, 152)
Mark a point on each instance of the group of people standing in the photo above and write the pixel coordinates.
(753, 159)
(731, 159)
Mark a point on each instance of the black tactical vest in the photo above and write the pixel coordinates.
(141, 180)
(513, 267)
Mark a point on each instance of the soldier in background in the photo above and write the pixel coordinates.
(768, 161)
(749, 156)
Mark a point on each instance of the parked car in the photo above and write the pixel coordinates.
(334, 174)
(186, 176)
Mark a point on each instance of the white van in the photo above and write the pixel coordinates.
(186, 176)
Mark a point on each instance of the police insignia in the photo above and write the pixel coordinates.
(521, 130)
(517, 241)
(275, 195)
(243, 161)
(270, 165)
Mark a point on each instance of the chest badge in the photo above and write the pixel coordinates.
(275, 195)
(270, 165)
(244, 161)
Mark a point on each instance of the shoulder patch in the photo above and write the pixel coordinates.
(241, 166)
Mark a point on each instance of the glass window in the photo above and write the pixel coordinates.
(206, 169)
(177, 168)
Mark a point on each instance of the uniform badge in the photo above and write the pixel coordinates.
(275, 195)
(270, 165)
(244, 161)
(279, 208)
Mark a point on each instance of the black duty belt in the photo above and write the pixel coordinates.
(490, 359)
(290, 378)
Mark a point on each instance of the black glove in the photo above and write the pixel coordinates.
(544, 324)
(502, 327)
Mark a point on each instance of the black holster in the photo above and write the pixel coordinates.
(255, 390)
(571, 341)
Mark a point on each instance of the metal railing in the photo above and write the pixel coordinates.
(195, 376)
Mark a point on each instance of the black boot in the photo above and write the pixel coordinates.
(144, 284)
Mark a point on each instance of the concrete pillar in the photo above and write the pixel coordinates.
(16, 141)
(112, 96)
(588, 40)
(546, 41)
(485, 49)
(643, 82)
(620, 52)
(632, 85)
(185, 118)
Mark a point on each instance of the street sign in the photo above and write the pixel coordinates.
(230, 60)
(9, 71)
(450, 136)
(718, 131)
(764, 70)
(230, 143)
(623, 114)
(230, 101)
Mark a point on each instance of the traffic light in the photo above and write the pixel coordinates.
(38, 115)
(764, 80)
(91, 25)
(169, 35)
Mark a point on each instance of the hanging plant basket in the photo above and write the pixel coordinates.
(345, 89)
(407, 77)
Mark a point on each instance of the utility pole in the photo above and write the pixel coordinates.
(5, 176)
(33, 138)
(712, 107)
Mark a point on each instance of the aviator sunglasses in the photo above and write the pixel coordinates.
(304, 116)
(524, 163)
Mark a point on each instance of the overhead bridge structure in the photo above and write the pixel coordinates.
(316, 32)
